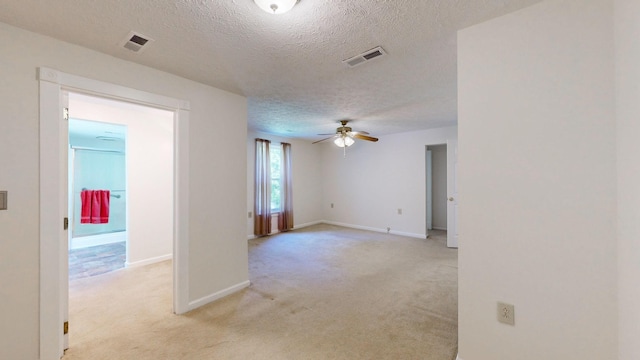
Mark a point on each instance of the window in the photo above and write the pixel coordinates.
(275, 159)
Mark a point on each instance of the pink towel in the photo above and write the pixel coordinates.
(96, 201)
(86, 197)
(100, 207)
(104, 206)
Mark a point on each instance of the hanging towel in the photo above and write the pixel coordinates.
(96, 204)
(100, 207)
(86, 198)
(105, 196)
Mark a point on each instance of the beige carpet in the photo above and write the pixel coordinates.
(322, 292)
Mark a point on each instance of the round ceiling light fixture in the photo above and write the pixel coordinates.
(276, 6)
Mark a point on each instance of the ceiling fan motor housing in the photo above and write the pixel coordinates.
(343, 129)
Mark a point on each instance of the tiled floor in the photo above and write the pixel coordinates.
(96, 260)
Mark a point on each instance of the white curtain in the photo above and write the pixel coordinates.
(262, 204)
(285, 219)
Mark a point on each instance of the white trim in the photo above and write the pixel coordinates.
(52, 83)
(95, 240)
(149, 261)
(50, 220)
(218, 295)
(88, 86)
(300, 226)
(452, 219)
(401, 233)
(359, 227)
(458, 357)
(181, 209)
(439, 228)
(296, 227)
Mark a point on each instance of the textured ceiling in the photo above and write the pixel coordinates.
(289, 66)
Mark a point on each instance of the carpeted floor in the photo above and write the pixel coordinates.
(322, 292)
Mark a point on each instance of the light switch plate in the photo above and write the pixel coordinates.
(3, 200)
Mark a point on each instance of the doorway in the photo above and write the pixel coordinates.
(441, 191)
(97, 163)
(437, 187)
(146, 210)
(53, 194)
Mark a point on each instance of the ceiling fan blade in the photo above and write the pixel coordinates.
(365, 137)
(326, 134)
(360, 132)
(325, 139)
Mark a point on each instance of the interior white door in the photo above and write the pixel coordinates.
(64, 242)
(429, 200)
(452, 194)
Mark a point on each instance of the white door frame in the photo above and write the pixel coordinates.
(452, 193)
(429, 190)
(53, 178)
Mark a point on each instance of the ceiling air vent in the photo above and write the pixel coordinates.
(364, 57)
(136, 42)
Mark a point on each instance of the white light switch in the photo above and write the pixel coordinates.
(3, 200)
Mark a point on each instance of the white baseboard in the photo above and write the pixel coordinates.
(95, 240)
(394, 232)
(300, 226)
(440, 228)
(218, 295)
(148, 261)
(296, 227)
(407, 234)
(359, 227)
(251, 237)
(458, 357)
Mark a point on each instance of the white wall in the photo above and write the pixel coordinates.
(627, 32)
(439, 168)
(217, 204)
(149, 174)
(307, 179)
(537, 184)
(376, 179)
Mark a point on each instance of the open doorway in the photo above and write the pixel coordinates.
(148, 186)
(54, 147)
(123, 151)
(437, 189)
(441, 191)
(97, 163)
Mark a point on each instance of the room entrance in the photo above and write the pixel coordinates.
(54, 147)
(441, 190)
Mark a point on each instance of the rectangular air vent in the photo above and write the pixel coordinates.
(136, 42)
(364, 57)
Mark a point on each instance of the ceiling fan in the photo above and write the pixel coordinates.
(344, 136)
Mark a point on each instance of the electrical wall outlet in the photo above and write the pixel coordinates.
(250, 214)
(332, 205)
(388, 229)
(399, 211)
(506, 313)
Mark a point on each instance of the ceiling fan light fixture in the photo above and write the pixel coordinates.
(275, 6)
(343, 141)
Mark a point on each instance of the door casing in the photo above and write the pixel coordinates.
(53, 195)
